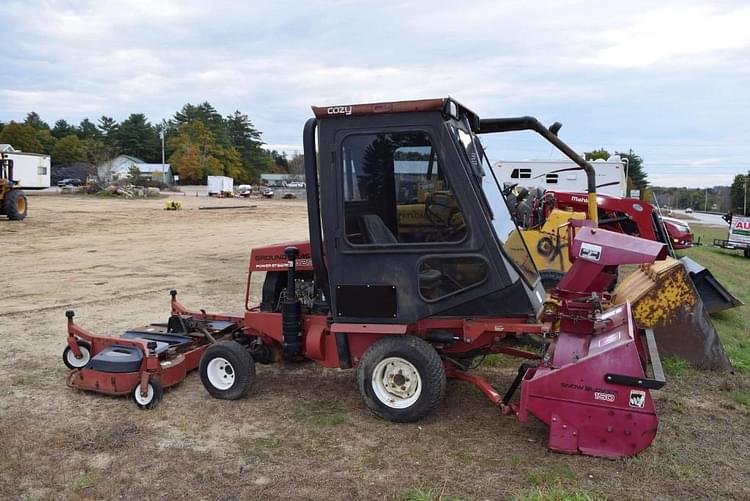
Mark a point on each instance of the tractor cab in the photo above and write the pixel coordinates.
(412, 221)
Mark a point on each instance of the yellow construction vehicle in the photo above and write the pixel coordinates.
(12, 200)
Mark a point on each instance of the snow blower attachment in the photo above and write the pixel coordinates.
(418, 276)
(672, 297)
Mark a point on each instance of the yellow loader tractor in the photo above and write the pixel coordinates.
(12, 200)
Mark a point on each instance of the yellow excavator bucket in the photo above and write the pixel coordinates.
(665, 299)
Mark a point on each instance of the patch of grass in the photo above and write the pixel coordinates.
(319, 418)
(85, 481)
(675, 366)
(732, 270)
(742, 398)
(20, 381)
(499, 360)
(327, 419)
(556, 494)
(555, 476)
(247, 444)
(420, 494)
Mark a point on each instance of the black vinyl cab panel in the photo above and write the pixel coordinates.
(413, 221)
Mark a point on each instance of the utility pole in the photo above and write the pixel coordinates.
(163, 169)
(705, 206)
(744, 207)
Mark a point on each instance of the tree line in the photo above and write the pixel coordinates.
(199, 142)
(637, 178)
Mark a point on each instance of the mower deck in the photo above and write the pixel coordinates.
(142, 361)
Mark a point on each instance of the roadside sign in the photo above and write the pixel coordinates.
(739, 230)
(635, 193)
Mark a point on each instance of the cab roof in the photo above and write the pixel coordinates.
(443, 104)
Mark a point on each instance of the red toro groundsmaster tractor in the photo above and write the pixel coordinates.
(408, 276)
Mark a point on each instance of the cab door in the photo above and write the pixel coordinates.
(401, 235)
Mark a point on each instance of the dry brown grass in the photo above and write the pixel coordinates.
(304, 432)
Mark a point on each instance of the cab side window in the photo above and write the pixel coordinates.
(395, 192)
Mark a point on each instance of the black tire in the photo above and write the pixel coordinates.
(15, 205)
(227, 363)
(153, 396)
(422, 357)
(550, 278)
(69, 359)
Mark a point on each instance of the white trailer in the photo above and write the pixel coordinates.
(564, 175)
(31, 170)
(220, 185)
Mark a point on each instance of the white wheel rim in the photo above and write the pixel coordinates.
(396, 383)
(78, 362)
(140, 398)
(220, 373)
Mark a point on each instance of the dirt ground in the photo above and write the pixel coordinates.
(303, 432)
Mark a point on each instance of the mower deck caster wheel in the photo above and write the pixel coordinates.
(152, 397)
(227, 370)
(401, 378)
(73, 362)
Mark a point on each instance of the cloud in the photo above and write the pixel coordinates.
(671, 34)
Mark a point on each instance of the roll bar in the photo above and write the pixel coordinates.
(490, 125)
(313, 204)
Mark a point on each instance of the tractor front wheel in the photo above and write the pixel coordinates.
(15, 206)
(227, 370)
(401, 378)
(73, 362)
(152, 397)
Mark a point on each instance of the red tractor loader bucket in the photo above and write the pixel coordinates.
(593, 392)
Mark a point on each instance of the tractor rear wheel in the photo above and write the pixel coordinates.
(401, 378)
(227, 370)
(15, 206)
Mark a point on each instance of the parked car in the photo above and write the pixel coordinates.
(679, 232)
(296, 184)
(267, 193)
(244, 190)
(688, 211)
(69, 182)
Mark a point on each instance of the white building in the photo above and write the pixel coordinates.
(280, 179)
(119, 168)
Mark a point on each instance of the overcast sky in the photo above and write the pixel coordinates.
(669, 79)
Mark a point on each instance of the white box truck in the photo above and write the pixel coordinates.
(563, 175)
(220, 186)
(31, 170)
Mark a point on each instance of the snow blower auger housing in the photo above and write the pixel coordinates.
(409, 276)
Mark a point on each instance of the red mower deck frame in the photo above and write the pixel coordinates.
(160, 369)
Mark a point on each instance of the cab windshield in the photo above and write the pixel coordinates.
(505, 228)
